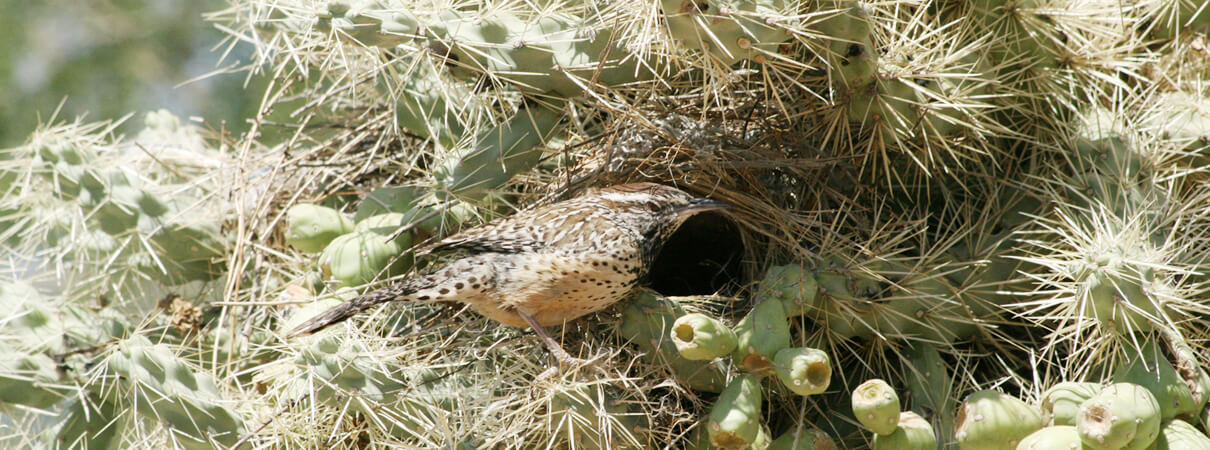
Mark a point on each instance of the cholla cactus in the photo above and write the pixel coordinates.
(998, 201)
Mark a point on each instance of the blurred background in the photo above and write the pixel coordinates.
(103, 59)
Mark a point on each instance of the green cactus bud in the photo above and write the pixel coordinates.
(760, 335)
(1177, 434)
(993, 420)
(1058, 437)
(1061, 403)
(701, 337)
(876, 405)
(386, 225)
(647, 321)
(1149, 368)
(735, 418)
(360, 257)
(385, 200)
(804, 371)
(793, 285)
(913, 433)
(509, 149)
(802, 437)
(1121, 416)
(313, 227)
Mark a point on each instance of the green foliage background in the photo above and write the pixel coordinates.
(109, 58)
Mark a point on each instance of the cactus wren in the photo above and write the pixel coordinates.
(548, 265)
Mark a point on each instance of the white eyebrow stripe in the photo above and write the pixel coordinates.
(625, 197)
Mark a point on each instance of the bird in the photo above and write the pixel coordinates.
(548, 265)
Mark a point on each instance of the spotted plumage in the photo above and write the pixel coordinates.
(547, 265)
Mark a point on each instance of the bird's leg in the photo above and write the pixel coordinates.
(564, 358)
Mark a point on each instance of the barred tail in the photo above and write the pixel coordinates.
(350, 308)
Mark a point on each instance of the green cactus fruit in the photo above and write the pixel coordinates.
(647, 321)
(802, 437)
(735, 417)
(804, 371)
(30, 379)
(92, 423)
(385, 200)
(1149, 368)
(1061, 403)
(760, 335)
(701, 337)
(729, 31)
(167, 390)
(1121, 416)
(994, 420)
(1058, 437)
(791, 284)
(912, 433)
(508, 149)
(876, 406)
(386, 225)
(313, 227)
(852, 58)
(360, 257)
(1177, 434)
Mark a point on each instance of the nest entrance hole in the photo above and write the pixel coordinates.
(703, 257)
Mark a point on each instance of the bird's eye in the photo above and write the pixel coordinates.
(653, 206)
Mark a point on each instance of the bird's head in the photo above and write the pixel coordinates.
(654, 211)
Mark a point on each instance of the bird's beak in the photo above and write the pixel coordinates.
(698, 205)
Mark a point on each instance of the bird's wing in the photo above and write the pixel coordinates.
(528, 231)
